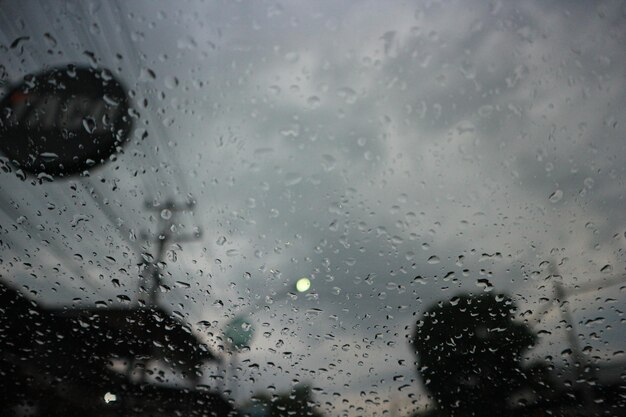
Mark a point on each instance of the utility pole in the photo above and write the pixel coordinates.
(167, 214)
(579, 361)
(584, 370)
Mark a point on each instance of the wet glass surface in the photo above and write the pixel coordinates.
(325, 208)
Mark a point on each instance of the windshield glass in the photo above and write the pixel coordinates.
(321, 208)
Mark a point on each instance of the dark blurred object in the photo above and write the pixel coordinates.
(296, 403)
(64, 120)
(149, 333)
(62, 362)
(468, 351)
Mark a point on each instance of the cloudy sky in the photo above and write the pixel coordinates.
(397, 153)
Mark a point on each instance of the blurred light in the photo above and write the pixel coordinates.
(109, 398)
(303, 284)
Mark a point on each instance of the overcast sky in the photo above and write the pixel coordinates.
(361, 144)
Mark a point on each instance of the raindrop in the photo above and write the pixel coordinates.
(433, 260)
(313, 102)
(485, 284)
(89, 124)
(292, 179)
(19, 40)
(396, 240)
(347, 94)
(556, 196)
(171, 82)
(419, 280)
(328, 162)
(147, 73)
(123, 299)
(50, 40)
(48, 156)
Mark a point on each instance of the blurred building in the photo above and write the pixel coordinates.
(100, 362)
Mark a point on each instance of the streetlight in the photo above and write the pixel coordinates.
(303, 284)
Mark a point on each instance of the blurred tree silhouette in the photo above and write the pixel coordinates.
(468, 353)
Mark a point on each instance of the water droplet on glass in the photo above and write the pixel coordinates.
(89, 124)
(485, 284)
(48, 156)
(171, 82)
(347, 94)
(123, 299)
(292, 179)
(556, 196)
(328, 162)
(313, 102)
(433, 260)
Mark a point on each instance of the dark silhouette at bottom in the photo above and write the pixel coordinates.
(469, 352)
(62, 362)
